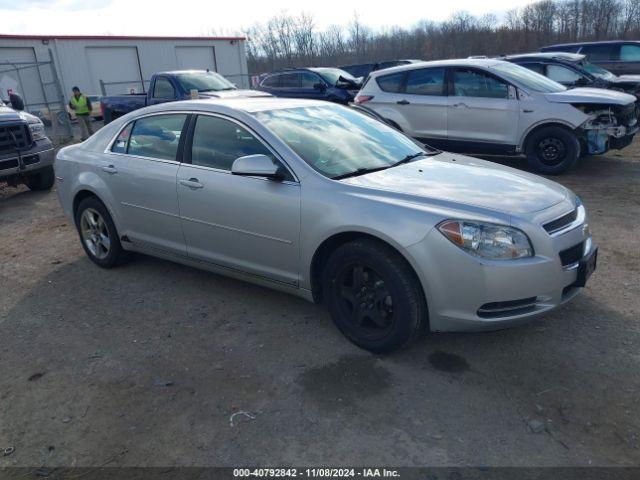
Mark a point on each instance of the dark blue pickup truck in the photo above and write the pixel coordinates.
(173, 86)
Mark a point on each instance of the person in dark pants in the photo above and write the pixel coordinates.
(81, 105)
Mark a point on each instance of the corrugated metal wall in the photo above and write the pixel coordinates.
(83, 61)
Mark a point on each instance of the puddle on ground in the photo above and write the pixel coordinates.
(448, 362)
(343, 383)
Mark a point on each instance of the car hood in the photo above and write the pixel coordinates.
(8, 114)
(627, 78)
(590, 95)
(234, 94)
(465, 180)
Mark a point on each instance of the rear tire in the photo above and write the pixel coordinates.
(98, 234)
(552, 150)
(373, 296)
(43, 180)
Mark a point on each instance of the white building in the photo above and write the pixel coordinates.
(114, 63)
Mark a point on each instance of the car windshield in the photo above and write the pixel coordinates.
(332, 75)
(527, 78)
(337, 141)
(204, 82)
(596, 70)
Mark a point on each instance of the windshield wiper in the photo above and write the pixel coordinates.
(216, 89)
(360, 171)
(413, 156)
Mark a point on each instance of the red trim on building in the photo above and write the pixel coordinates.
(107, 37)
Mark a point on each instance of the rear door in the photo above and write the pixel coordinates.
(141, 170)
(482, 109)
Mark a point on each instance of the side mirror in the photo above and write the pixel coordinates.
(256, 166)
(319, 86)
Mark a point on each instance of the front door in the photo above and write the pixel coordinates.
(248, 224)
(482, 109)
(141, 174)
(424, 103)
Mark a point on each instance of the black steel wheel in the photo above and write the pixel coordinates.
(374, 296)
(552, 150)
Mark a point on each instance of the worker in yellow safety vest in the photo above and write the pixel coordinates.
(81, 105)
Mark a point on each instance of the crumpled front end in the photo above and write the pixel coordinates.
(608, 127)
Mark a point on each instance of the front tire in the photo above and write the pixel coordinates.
(98, 234)
(43, 180)
(552, 150)
(373, 296)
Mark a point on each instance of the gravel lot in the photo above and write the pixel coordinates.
(153, 363)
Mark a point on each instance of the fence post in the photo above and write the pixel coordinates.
(56, 80)
(102, 88)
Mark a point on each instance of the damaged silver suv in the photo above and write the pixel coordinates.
(492, 106)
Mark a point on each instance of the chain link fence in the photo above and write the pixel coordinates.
(39, 86)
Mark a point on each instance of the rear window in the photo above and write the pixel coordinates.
(272, 81)
(391, 83)
(156, 136)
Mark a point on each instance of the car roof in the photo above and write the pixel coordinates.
(246, 104)
(460, 62)
(600, 42)
(178, 72)
(566, 56)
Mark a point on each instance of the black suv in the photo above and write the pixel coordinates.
(573, 70)
(621, 57)
(319, 83)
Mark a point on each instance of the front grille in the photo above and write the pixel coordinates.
(572, 255)
(5, 164)
(562, 222)
(14, 137)
(507, 308)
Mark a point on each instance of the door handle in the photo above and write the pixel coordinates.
(403, 102)
(461, 104)
(192, 183)
(110, 169)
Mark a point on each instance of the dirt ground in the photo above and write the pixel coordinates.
(156, 364)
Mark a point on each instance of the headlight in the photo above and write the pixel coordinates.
(497, 242)
(35, 125)
(37, 131)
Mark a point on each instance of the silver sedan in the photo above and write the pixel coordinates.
(332, 205)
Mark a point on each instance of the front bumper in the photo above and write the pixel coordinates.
(467, 293)
(40, 156)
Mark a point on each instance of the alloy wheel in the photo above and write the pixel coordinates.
(95, 234)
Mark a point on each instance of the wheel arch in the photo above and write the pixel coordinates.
(539, 126)
(333, 242)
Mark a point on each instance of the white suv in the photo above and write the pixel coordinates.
(491, 106)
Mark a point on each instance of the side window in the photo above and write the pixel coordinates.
(562, 74)
(426, 81)
(157, 136)
(391, 83)
(163, 89)
(290, 80)
(308, 79)
(271, 81)
(471, 83)
(121, 143)
(534, 67)
(218, 142)
(601, 52)
(630, 53)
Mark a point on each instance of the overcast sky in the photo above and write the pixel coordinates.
(198, 17)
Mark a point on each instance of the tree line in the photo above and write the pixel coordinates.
(293, 41)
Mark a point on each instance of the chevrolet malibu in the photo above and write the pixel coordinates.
(332, 205)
